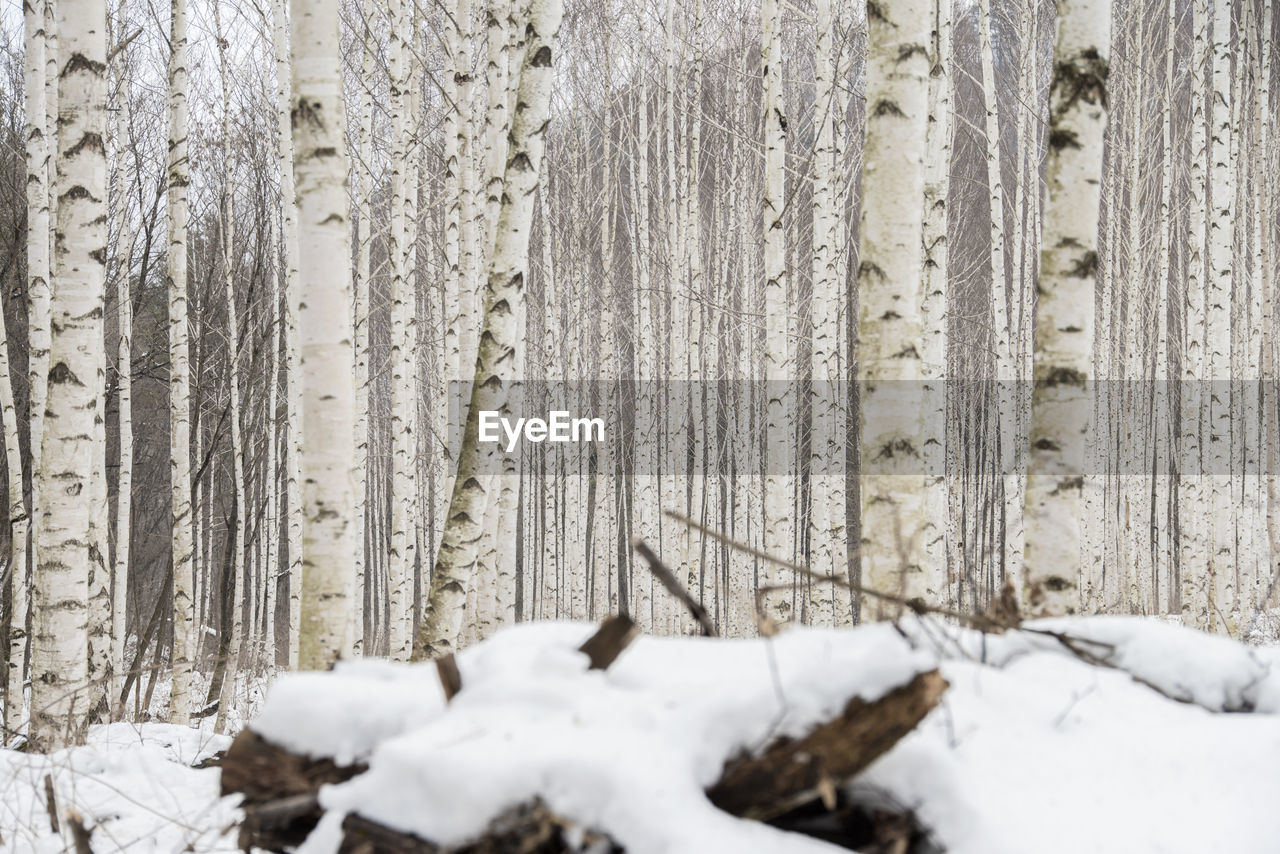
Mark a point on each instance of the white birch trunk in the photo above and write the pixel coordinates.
(934, 310)
(124, 371)
(37, 157)
(827, 513)
(362, 284)
(325, 333)
(1218, 301)
(238, 518)
(402, 397)
(293, 357)
(1060, 410)
(185, 642)
(779, 484)
(1194, 543)
(891, 289)
(59, 665)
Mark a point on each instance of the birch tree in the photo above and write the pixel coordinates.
(1193, 537)
(59, 664)
(1064, 324)
(403, 362)
(293, 394)
(508, 269)
(235, 632)
(180, 374)
(827, 516)
(325, 335)
(779, 409)
(890, 294)
(37, 246)
(937, 291)
(124, 364)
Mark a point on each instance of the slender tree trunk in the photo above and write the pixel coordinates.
(1194, 543)
(935, 307)
(402, 362)
(59, 665)
(1060, 406)
(363, 282)
(778, 358)
(827, 440)
(325, 330)
(185, 642)
(508, 270)
(293, 356)
(124, 374)
(1222, 189)
(37, 157)
(234, 632)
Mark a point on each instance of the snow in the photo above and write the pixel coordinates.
(1159, 739)
(133, 786)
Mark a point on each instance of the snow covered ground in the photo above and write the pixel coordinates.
(133, 786)
(1140, 737)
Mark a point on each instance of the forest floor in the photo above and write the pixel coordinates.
(1087, 734)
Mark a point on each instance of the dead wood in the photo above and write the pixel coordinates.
(792, 771)
(614, 635)
(276, 785)
(527, 829)
(450, 678)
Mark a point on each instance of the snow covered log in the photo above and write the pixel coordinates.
(280, 789)
(793, 771)
(568, 735)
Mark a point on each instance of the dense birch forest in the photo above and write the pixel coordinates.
(861, 309)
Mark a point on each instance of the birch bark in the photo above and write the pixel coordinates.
(59, 666)
(1060, 405)
(326, 337)
(508, 270)
(184, 639)
(890, 282)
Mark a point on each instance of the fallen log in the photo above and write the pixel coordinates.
(792, 771)
(796, 783)
(279, 789)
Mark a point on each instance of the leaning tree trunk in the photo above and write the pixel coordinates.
(891, 283)
(508, 269)
(1060, 407)
(37, 156)
(325, 333)
(59, 664)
